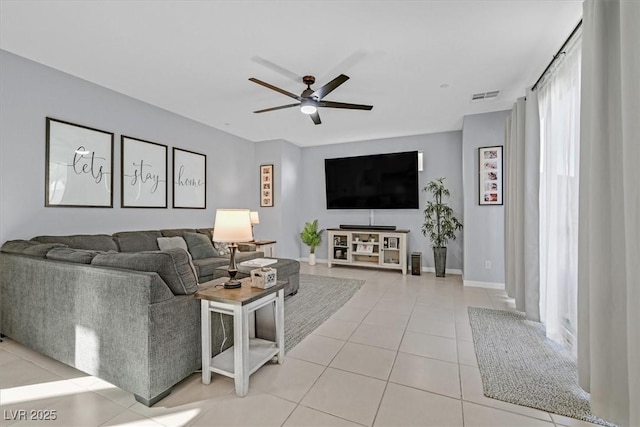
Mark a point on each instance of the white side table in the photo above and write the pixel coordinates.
(266, 246)
(247, 354)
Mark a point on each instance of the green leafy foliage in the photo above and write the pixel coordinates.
(311, 236)
(440, 225)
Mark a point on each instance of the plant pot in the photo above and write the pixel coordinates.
(440, 259)
(312, 259)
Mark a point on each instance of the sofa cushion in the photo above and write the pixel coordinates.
(200, 246)
(207, 231)
(171, 265)
(165, 243)
(177, 232)
(137, 241)
(29, 247)
(241, 256)
(206, 266)
(80, 256)
(96, 242)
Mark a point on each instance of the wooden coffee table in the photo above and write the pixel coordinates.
(247, 354)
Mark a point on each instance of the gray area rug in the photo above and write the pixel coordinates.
(519, 364)
(317, 299)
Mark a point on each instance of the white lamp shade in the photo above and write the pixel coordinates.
(255, 218)
(232, 225)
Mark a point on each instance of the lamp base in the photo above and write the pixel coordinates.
(232, 284)
(232, 270)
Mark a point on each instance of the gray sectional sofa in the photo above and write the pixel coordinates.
(116, 307)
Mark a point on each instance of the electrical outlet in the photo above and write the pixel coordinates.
(487, 265)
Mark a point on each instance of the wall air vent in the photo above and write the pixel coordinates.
(485, 96)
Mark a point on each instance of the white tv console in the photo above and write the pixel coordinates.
(368, 248)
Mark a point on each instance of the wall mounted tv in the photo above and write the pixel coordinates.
(382, 181)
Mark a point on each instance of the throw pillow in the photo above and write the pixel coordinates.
(221, 248)
(166, 243)
(200, 247)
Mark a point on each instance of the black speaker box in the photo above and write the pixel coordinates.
(416, 263)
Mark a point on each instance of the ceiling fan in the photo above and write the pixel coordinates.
(310, 100)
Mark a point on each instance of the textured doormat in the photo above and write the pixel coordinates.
(519, 364)
(317, 299)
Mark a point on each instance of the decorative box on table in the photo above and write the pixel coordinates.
(264, 277)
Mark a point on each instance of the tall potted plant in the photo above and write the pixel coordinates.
(440, 225)
(311, 237)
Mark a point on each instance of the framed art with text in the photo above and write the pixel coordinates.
(490, 177)
(189, 179)
(78, 166)
(144, 173)
(266, 186)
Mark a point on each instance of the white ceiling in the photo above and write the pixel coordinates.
(194, 57)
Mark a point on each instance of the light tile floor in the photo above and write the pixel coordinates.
(399, 353)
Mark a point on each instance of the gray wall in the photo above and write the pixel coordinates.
(30, 92)
(442, 158)
(290, 196)
(280, 221)
(483, 225)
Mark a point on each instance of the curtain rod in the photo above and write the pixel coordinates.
(557, 55)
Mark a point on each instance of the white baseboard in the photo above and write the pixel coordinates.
(488, 285)
(447, 271)
(318, 260)
(424, 269)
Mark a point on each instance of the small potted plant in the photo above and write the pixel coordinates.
(440, 225)
(311, 237)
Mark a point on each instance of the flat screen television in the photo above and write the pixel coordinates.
(381, 181)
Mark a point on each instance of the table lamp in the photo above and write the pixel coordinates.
(255, 219)
(232, 226)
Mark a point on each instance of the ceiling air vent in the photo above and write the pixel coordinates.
(485, 96)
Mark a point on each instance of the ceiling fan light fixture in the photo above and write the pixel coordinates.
(308, 108)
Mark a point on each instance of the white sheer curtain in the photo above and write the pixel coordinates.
(559, 105)
(609, 251)
(521, 180)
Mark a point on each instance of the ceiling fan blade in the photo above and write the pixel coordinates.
(277, 68)
(346, 64)
(329, 87)
(331, 104)
(277, 89)
(315, 117)
(277, 108)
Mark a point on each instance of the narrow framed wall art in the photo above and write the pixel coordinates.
(490, 169)
(144, 167)
(78, 166)
(266, 186)
(189, 179)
